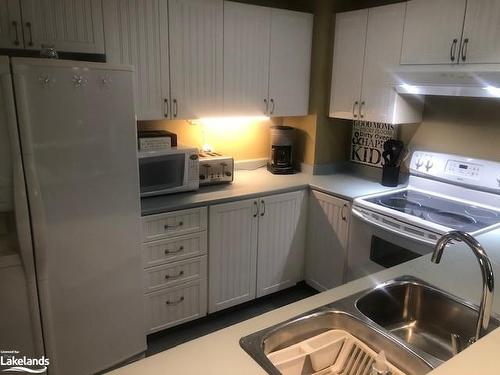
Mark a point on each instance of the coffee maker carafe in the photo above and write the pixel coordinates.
(281, 150)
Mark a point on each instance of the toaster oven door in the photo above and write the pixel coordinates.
(162, 174)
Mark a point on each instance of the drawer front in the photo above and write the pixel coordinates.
(172, 224)
(175, 273)
(173, 306)
(174, 249)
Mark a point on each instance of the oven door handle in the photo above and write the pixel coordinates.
(375, 223)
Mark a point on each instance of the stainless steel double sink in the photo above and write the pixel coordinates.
(409, 319)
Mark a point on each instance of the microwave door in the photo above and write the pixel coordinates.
(161, 174)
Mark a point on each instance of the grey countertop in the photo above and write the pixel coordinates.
(259, 182)
(458, 273)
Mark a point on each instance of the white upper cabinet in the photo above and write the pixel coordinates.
(432, 31)
(379, 100)
(367, 47)
(176, 49)
(70, 25)
(267, 60)
(196, 57)
(291, 40)
(451, 32)
(481, 36)
(348, 60)
(132, 29)
(11, 28)
(246, 59)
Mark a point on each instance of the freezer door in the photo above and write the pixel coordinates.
(78, 138)
(20, 324)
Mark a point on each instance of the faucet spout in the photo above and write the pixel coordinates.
(486, 273)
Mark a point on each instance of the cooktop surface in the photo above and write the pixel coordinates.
(445, 212)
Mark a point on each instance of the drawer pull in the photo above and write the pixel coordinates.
(168, 251)
(169, 277)
(175, 302)
(166, 226)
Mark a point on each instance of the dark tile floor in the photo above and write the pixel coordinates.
(174, 336)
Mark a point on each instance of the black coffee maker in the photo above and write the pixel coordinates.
(281, 150)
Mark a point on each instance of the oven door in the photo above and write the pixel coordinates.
(162, 173)
(373, 247)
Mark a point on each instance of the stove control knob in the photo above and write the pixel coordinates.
(419, 163)
(428, 165)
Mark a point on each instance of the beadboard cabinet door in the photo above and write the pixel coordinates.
(280, 257)
(246, 59)
(232, 253)
(327, 236)
(196, 32)
(379, 100)
(11, 27)
(132, 29)
(290, 63)
(348, 59)
(70, 25)
(432, 31)
(481, 32)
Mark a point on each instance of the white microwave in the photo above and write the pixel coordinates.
(169, 171)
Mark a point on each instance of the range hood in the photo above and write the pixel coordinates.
(481, 81)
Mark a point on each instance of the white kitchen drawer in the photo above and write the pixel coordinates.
(176, 305)
(175, 273)
(177, 223)
(174, 249)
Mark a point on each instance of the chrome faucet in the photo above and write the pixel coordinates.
(483, 319)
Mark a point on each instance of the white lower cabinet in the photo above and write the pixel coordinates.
(233, 253)
(327, 236)
(280, 255)
(172, 306)
(175, 267)
(256, 247)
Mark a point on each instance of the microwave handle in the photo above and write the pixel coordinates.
(362, 217)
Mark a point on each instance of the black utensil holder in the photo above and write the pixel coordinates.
(390, 176)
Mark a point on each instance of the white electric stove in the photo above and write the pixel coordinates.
(444, 193)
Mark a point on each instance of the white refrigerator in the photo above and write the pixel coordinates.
(69, 214)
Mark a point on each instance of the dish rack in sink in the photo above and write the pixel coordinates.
(334, 352)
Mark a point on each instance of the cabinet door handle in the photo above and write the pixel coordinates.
(256, 206)
(165, 107)
(266, 105)
(361, 115)
(272, 108)
(354, 114)
(463, 52)
(342, 214)
(168, 251)
(263, 207)
(175, 302)
(170, 277)
(14, 25)
(30, 32)
(453, 49)
(175, 109)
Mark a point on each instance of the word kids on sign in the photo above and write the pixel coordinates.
(367, 142)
